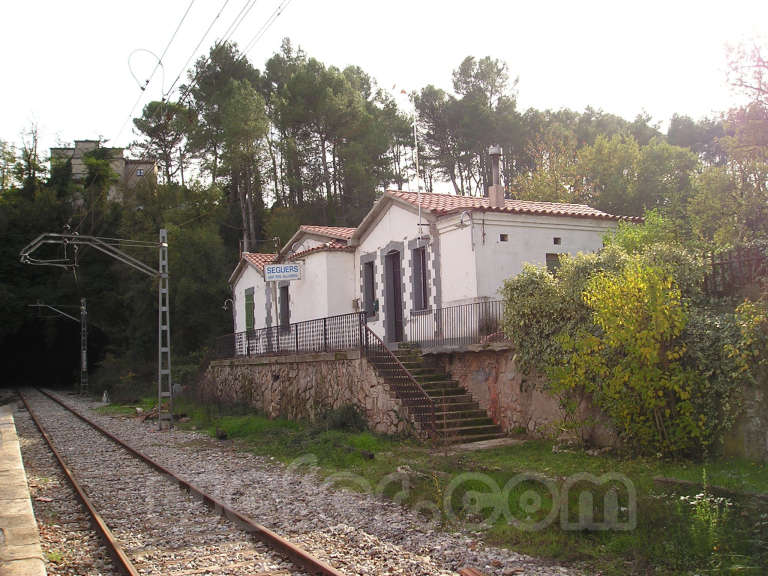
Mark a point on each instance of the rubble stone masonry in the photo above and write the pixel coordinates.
(304, 386)
(516, 402)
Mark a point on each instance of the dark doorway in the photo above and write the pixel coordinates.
(394, 312)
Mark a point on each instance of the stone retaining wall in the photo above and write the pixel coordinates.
(303, 387)
(514, 401)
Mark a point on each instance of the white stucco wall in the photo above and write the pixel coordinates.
(249, 278)
(395, 224)
(341, 282)
(458, 271)
(530, 239)
(326, 288)
(309, 296)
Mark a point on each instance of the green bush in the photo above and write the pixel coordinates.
(633, 365)
(630, 328)
(124, 379)
(349, 418)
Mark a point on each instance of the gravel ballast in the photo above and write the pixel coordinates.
(356, 533)
(162, 529)
(70, 546)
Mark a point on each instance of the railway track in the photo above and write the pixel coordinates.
(152, 521)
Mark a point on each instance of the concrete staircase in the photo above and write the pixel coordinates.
(458, 416)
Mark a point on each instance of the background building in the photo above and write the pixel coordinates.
(129, 171)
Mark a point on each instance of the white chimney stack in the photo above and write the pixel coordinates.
(496, 190)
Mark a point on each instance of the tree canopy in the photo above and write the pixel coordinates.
(245, 155)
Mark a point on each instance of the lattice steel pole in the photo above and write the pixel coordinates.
(164, 381)
(83, 347)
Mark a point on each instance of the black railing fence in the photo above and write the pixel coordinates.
(331, 334)
(476, 323)
(404, 385)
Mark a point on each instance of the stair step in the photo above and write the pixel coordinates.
(459, 414)
(467, 438)
(441, 384)
(463, 422)
(472, 430)
(443, 392)
(431, 377)
(456, 407)
(461, 399)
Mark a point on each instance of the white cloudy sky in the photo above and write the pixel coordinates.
(65, 64)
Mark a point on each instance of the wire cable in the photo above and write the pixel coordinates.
(167, 46)
(154, 70)
(192, 55)
(227, 36)
(244, 11)
(266, 26)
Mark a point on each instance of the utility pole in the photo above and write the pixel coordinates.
(164, 384)
(83, 347)
(109, 246)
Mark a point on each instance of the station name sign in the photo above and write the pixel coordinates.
(274, 272)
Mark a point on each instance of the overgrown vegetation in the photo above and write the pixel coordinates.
(630, 329)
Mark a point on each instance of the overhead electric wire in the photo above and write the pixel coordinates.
(154, 70)
(192, 55)
(173, 36)
(263, 30)
(247, 7)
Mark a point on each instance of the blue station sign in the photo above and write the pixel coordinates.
(289, 271)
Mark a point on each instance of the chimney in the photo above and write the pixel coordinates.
(496, 190)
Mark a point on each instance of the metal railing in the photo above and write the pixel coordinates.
(404, 385)
(330, 334)
(336, 333)
(453, 326)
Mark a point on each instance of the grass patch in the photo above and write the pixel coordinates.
(54, 556)
(146, 403)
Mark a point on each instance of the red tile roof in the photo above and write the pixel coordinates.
(259, 260)
(332, 246)
(441, 204)
(330, 231)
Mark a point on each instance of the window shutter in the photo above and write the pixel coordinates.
(249, 316)
(368, 295)
(419, 268)
(284, 306)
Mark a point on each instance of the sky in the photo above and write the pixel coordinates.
(74, 67)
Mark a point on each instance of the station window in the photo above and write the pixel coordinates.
(419, 263)
(557, 240)
(503, 237)
(285, 307)
(368, 290)
(553, 262)
(139, 171)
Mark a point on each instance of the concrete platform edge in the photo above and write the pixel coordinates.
(20, 551)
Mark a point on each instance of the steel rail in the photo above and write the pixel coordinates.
(118, 555)
(297, 554)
